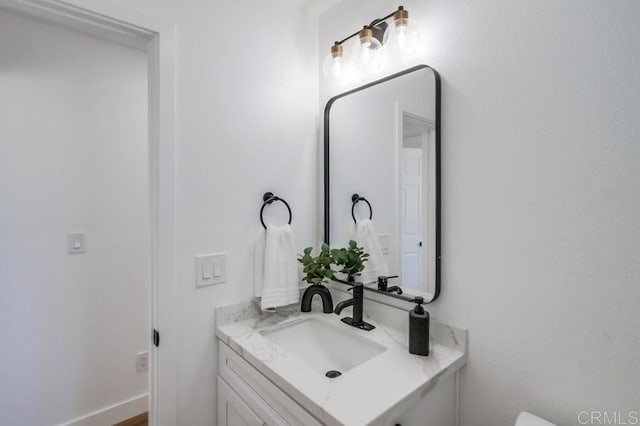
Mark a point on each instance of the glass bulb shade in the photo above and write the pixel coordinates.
(367, 53)
(403, 38)
(333, 66)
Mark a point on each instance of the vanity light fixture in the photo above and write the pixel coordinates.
(372, 43)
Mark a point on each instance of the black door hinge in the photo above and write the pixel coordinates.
(156, 338)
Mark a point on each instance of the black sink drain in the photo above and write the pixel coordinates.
(332, 374)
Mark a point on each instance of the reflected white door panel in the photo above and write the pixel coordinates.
(411, 205)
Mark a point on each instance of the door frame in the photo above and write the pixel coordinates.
(117, 22)
(429, 193)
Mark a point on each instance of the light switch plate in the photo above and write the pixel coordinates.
(385, 243)
(76, 243)
(211, 269)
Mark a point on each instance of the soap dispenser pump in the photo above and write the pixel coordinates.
(419, 329)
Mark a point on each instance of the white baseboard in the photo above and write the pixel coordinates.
(114, 413)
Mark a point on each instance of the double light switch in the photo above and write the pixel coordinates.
(210, 269)
(76, 243)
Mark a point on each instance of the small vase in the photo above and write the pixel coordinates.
(325, 295)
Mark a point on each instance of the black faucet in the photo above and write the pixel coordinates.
(357, 303)
(383, 285)
(325, 295)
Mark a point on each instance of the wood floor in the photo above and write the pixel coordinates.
(139, 420)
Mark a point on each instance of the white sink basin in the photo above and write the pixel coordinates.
(323, 346)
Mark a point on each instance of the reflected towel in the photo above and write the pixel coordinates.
(365, 235)
(279, 285)
(258, 262)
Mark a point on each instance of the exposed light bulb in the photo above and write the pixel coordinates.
(334, 64)
(365, 53)
(401, 33)
(369, 51)
(404, 37)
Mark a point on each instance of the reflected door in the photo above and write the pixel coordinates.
(411, 204)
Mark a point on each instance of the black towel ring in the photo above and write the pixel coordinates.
(269, 198)
(354, 199)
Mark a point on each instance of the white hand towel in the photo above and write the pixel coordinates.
(281, 281)
(366, 237)
(258, 262)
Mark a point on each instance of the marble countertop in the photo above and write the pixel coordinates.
(372, 393)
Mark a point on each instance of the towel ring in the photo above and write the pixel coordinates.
(354, 199)
(269, 198)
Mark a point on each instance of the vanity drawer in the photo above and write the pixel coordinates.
(265, 398)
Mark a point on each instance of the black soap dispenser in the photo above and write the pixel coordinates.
(419, 329)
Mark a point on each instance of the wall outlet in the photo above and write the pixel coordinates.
(142, 361)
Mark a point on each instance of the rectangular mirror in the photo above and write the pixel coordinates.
(382, 162)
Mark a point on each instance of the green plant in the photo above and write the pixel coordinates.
(350, 259)
(316, 268)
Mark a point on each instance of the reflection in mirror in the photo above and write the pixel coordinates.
(382, 143)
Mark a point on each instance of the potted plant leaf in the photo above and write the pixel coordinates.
(350, 260)
(317, 269)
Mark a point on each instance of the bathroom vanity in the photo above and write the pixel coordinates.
(311, 369)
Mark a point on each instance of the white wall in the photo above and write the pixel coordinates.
(73, 157)
(540, 196)
(246, 109)
(246, 124)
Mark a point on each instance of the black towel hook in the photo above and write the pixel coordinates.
(269, 198)
(354, 199)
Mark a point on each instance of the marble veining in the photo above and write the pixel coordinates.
(395, 335)
(387, 383)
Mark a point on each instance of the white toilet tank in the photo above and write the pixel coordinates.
(526, 419)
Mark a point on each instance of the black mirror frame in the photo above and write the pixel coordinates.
(438, 171)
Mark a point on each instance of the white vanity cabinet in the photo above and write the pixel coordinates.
(242, 387)
(248, 398)
(436, 408)
(232, 410)
(271, 373)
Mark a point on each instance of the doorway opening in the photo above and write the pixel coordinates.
(108, 193)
